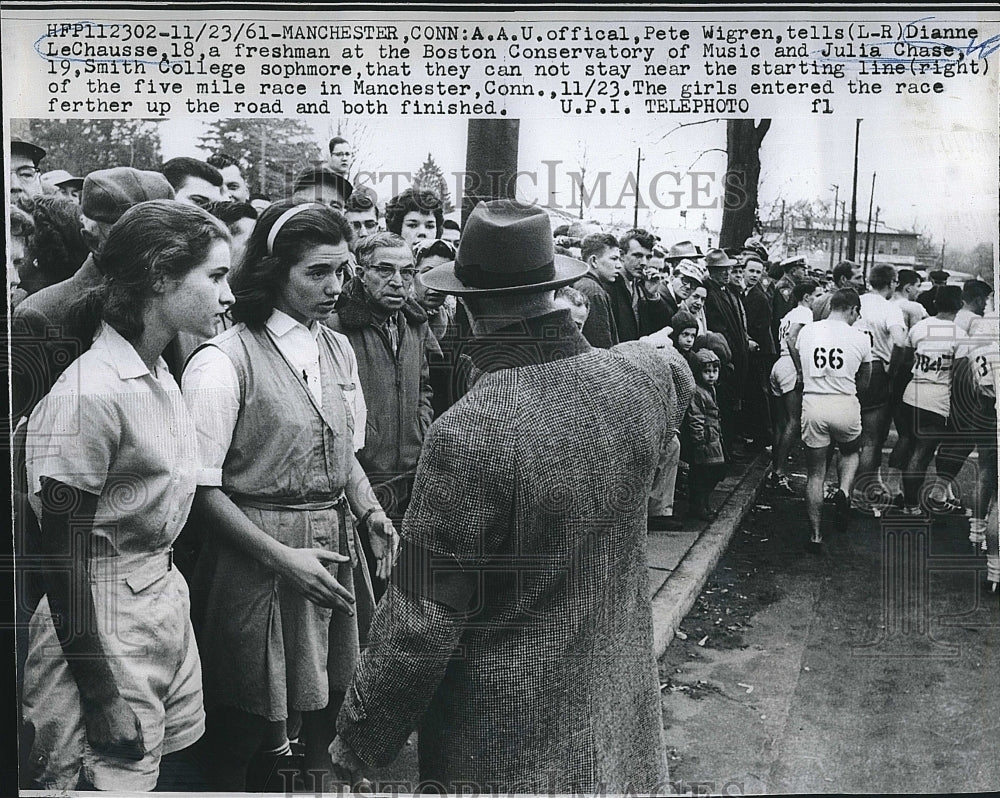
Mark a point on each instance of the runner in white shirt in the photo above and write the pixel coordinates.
(836, 362)
(984, 361)
(882, 321)
(937, 342)
(785, 387)
(966, 417)
(905, 295)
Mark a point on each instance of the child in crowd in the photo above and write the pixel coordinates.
(703, 433)
(684, 328)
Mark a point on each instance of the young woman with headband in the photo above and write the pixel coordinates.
(280, 415)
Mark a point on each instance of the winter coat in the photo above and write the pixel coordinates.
(600, 329)
(396, 386)
(702, 431)
(517, 633)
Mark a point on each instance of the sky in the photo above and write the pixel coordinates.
(933, 175)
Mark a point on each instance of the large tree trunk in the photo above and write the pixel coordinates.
(739, 214)
(490, 162)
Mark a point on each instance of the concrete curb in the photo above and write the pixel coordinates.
(677, 595)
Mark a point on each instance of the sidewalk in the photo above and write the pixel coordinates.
(680, 562)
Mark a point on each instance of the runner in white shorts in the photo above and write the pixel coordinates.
(785, 385)
(835, 361)
(882, 321)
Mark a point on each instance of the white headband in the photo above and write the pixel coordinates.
(276, 227)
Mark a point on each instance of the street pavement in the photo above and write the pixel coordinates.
(869, 668)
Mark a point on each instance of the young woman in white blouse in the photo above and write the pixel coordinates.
(280, 415)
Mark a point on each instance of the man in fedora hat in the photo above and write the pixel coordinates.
(724, 314)
(517, 637)
(685, 276)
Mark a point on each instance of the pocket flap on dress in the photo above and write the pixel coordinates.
(146, 575)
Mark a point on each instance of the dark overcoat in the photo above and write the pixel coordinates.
(517, 635)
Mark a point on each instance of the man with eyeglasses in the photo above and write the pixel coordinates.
(25, 176)
(388, 331)
(340, 155)
(362, 213)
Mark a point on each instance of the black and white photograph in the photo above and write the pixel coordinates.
(535, 401)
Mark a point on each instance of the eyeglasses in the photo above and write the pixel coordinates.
(407, 273)
(341, 154)
(367, 224)
(26, 172)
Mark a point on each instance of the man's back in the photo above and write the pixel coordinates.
(535, 485)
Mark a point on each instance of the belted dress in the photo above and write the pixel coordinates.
(265, 647)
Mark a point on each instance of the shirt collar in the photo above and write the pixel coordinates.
(122, 354)
(280, 323)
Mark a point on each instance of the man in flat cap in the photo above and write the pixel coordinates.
(25, 176)
(518, 636)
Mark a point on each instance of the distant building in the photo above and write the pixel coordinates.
(814, 237)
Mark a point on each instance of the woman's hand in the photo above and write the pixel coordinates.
(385, 542)
(307, 570)
(113, 728)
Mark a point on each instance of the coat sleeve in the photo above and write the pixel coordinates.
(426, 390)
(458, 518)
(598, 329)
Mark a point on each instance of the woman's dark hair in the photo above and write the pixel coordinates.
(264, 270)
(229, 212)
(152, 240)
(57, 243)
(408, 201)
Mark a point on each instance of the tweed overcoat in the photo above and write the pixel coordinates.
(517, 635)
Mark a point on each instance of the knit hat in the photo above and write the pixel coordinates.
(682, 320)
(108, 193)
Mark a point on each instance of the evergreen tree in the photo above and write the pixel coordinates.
(82, 145)
(270, 151)
(431, 178)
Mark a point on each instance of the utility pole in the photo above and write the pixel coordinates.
(833, 226)
(490, 162)
(942, 253)
(875, 234)
(583, 173)
(868, 227)
(852, 231)
(840, 237)
(638, 165)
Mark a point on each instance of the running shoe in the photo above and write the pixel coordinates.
(830, 492)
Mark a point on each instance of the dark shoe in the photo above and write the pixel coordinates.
(830, 492)
(843, 510)
(664, 523)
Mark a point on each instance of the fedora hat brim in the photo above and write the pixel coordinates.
(442, 278)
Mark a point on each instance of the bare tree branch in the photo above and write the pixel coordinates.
(705, 152)
(685, 124)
